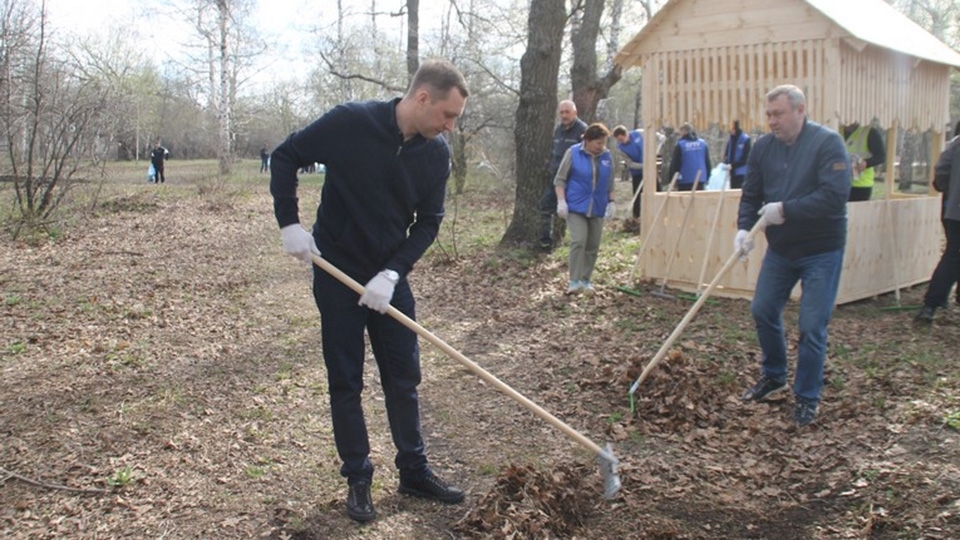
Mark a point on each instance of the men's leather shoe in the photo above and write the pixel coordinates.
(431, 487)
(359, 504)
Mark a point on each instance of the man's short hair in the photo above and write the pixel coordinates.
(793, 92)
(619, 131)
(440, 76)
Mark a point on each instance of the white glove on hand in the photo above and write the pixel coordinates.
(772, 214)
(727, 166)
(377, 293)
(298, 242)
(562, 209)
(611, 210)
(742, 244)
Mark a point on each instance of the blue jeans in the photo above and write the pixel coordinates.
(397, 354)
(819, 277)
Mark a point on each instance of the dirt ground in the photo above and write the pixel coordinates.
(162, 378)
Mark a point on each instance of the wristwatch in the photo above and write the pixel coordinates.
(391, 275)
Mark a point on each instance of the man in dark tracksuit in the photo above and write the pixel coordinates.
(798, 181)
(381, 207)
(157, 157)
(568, 133)
(946, 180)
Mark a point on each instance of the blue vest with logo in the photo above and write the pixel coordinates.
(737, 152)
(694, 159)
(634, 147)
(588, 184)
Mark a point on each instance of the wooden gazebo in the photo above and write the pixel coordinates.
(713, 61)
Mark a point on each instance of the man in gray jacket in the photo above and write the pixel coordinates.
(798, 181)
(946, 180)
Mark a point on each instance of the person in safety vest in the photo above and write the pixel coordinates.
(584, 186)
(690, 157)
(735, 155)
(866, 152)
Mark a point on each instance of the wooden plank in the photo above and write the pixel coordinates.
(869, 266)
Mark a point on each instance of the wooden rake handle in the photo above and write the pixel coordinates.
(472, 366)
(691, 314)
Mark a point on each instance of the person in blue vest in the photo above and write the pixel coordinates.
(630, 144)
(584, 186)
(568, 133)
(735, 155)
(798, 181)
(381, 206)
(690, 157)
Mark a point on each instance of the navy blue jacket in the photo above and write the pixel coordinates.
(812, 179)
(382, 199)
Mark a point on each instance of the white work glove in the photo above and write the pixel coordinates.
(727, 167)
(772, 214)
(743, 244)
(298, 242)
(562, 209)
(611, 210)
(377, 293)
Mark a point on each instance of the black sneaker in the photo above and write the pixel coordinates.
(804, 412)
(431, 487)
(765, 389)
(925, 315)
(359, 504)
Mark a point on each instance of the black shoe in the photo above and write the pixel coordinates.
(546, 246)
(925, 315)
(359, 504)
(804, 412)
(765, 389)
(431, 487)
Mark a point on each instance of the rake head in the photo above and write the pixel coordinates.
(608, 469)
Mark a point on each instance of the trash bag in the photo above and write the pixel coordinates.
(151, 173)
(718, 177)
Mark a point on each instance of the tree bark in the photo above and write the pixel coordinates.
(588, 87)
(539, 70)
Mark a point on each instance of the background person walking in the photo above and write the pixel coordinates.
(584, 186)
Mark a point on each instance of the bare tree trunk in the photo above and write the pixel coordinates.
(224, 111)
(539, 70)
(413, 37)
(588, 88)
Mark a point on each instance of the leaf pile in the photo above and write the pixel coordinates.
(527, 503)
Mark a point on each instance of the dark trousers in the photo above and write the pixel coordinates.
(548, 209)
(736, 181)
(397, 353)
(159, 168)
(860, 194)
(948, 269)
(637, 179)
(264, 164)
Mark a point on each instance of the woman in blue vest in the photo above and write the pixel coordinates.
(735, 155)
(584, 184)
(691, 158)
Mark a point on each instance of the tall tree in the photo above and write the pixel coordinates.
(539, 71)
(589, 87)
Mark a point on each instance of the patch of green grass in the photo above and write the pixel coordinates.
(120, 477)
(488, 469)
(952, 420)
(16, 347)
(615, 417)
(12, 300)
